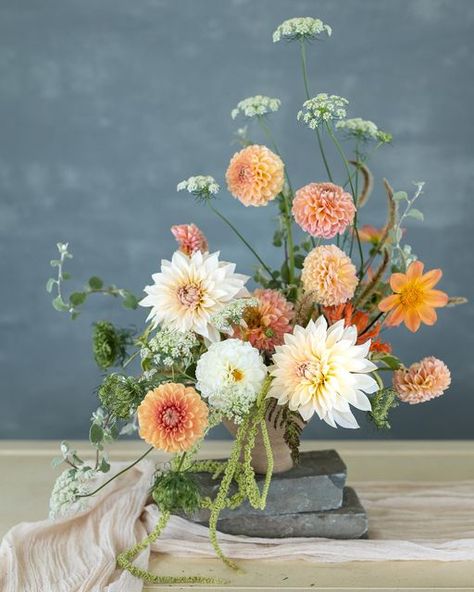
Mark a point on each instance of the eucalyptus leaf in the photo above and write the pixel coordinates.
(95, 283)
(77, 298)
(96, 434)
(414, 213)
(400, 195)
(60, 305)
(50, 284)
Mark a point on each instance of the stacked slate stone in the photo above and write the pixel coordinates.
(310, 500)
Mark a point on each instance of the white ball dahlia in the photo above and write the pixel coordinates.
(323, 370)
(230, 376)
(190, 290)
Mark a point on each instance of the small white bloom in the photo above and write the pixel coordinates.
(301, 28)
(256, 106)
(169, 347)
(230, 375)
(69, 485)
(323, 370)
(201, 186)
(232, 314)
(322, 108)
(190, 290)
(363, 129)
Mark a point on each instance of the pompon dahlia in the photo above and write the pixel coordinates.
(255, 175)
(329, 273)
(323, 209)
(172, 417)
(422, 381)
(323, 370)
(267, 322)
(414, 300)
(190, 290)
(190, 238)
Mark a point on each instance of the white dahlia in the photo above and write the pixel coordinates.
(230, 376)
(322, 370)
(190, 290)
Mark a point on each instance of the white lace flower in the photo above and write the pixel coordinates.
(322, 108)
(169, 347)
(201, 186)
(258, 105)
(304, 27)
(230, 376)
(226, 319)
(363, 129)
(189, 290)
(69, 485)
(323, 370)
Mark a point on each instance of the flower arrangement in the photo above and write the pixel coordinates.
(310, 340)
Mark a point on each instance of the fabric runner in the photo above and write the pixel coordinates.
(407, 521)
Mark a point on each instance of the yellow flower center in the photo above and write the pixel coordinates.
(412, 295)
(237, 374)
(315, 372)
(253, 318)
(190, 295)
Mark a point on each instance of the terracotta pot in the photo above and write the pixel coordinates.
(282, 460)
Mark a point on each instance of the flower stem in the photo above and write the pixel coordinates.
(246, 243)
(118, 474)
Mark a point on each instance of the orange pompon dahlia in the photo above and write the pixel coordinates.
(190, 238)
(414, 300)
(422, 381)
(255, 175)
(323, 209)
(330, 274)
(361, 321)
(172, 417)
(267, 322)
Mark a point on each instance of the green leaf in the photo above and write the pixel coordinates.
(391, 361)
(55, 263)
(414, 213)
(50, 284)
(95, 283)
(130, 300)
(285, 272)
(299, 261)
(60, 305)
(66, 275)
(104, 466)
(278, 238)
(74, 315)
(96, 434)
(400, 195)
(77, 298)
(57, 460)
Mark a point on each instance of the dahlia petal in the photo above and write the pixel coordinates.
(389, 302)
(428, 315)
(396, 316)
(412, 320)
(345, 420)
(436, 298)
(397, 281)
(366, 383)
(415, 270)
(431, 278)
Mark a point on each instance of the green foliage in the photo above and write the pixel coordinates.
(121, 394)
(382, 402)
(176, 491)
(109, 344)
(293, 424)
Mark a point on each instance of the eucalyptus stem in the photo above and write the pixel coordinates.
(118, 474)
(245, 241)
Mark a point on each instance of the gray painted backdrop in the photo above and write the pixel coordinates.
(106, 104)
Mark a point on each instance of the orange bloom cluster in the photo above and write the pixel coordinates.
(414, 300)
(422, 381)
(361, 321)
(190, 238)
(172, 417)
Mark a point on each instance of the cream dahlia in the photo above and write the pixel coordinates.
(230, 376)
(329, 273)
(323, 370)
(190, 238)
(323, 209)
(190, 290)
(422, 381)
(266, 322)
(255, 175)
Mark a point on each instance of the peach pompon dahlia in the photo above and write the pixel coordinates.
(422, 381)
(330, 274)
(172, 417)
(414, 300)
(255, 175)
(190, 238)
(267, 322)
(323, 209)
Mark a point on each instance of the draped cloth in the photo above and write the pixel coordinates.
(407, 521)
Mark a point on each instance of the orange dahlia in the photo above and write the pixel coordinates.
(172, 417)
(422, 381)
(267, 322)
(414, 300)
(255, 175)
(190, 238)
(361, 321)
(323, 209)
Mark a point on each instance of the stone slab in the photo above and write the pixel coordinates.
(315, 485)
(348, 522)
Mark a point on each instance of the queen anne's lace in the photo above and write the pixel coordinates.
(170, 347)
(201, 186)
(301, 28)
(363, 129)
(322, 108)
(255, 106)
(69, 485)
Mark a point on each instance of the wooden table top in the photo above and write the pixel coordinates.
(27, 479)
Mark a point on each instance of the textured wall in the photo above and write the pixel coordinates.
(106, 104)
